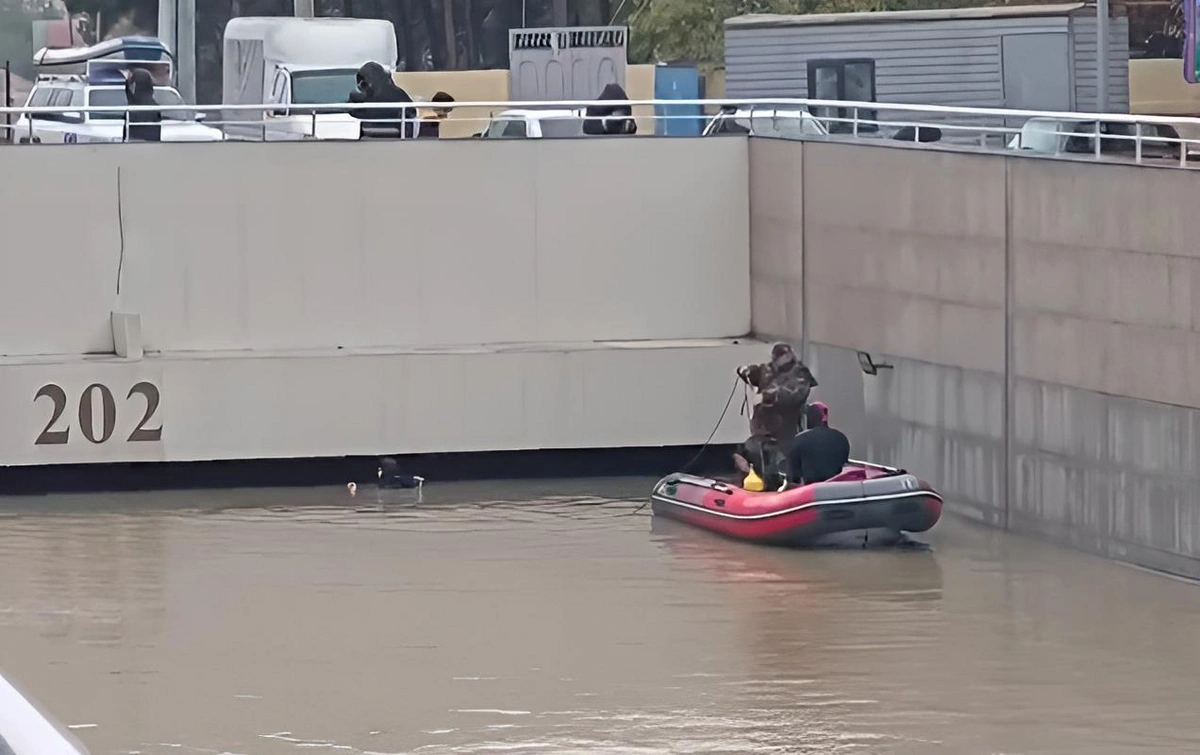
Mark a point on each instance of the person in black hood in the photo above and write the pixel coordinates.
(820, 452)
(139, 90)
(375, 84)
(610, 119)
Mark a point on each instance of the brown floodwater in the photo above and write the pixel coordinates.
(535, 618)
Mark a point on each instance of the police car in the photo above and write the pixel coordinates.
(95, 77)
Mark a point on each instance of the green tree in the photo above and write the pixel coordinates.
(695, 29)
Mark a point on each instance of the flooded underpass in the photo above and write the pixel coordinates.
(559, 617)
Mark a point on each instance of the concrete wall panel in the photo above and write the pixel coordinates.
(905, 256)
(777, 236)
(1106, 279)
(899, 260)
(285, 246)
(225, 405)
(62, 242)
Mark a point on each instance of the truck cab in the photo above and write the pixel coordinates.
(286, 63)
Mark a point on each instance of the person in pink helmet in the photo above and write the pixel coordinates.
(820, 452)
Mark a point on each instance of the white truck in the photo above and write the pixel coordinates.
(293, 62)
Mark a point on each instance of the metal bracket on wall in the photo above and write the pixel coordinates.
(870, 366)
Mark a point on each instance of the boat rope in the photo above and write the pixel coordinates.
(728, 402)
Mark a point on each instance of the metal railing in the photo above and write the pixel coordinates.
(1098, 135)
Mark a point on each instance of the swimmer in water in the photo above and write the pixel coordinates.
(390, 475)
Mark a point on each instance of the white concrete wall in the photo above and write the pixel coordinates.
(283, 246)
(240, 406)
(1042, 320)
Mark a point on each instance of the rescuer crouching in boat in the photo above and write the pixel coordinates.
(820, 452)
(762, 464)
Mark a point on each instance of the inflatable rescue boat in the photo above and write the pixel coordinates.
(866, 502)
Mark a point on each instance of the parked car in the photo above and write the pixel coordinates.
(71, 127)
(789, 123)
(534, 124)
(1057, 136)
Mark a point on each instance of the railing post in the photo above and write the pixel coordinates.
(1137, 143)
(1096, 151)
(854, 130)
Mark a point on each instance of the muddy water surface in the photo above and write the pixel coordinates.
(557, 617)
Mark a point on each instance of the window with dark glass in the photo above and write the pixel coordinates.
(852, 80)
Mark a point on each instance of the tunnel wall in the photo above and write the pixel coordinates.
(1040, 317)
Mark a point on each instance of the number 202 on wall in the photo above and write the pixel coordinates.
(52, 436)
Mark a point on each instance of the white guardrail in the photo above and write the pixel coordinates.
(1139, 138)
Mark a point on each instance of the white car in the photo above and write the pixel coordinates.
(534, 124)
(765, 121)
(77, 127)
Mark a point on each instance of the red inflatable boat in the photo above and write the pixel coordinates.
(866, 502)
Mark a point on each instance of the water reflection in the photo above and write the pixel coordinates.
(559, 617)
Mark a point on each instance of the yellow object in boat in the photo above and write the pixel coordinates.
(753, 482)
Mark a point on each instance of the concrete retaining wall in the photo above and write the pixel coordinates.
(1042, 318)
(285, 246)
(167, 302)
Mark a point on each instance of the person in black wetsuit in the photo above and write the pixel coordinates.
(820, 452)
(139, 90)
(375, 84)
(390, 475)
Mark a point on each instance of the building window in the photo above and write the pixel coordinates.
(851, 79)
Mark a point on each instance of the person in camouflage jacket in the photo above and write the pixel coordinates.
(783, 384)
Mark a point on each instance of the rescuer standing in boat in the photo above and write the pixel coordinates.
(783, 384)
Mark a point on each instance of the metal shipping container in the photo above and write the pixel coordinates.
(1037, 57)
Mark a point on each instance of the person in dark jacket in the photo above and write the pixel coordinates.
(139, 90)
(431, 118)
(764, 456)
(375, 85)
(784, 384)
(610, 119)
(820, 452)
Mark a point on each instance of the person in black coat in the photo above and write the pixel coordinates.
(375, 84)
(820, 452)
(139, 90)
(610, 119)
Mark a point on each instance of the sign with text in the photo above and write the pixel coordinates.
(82, 411)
